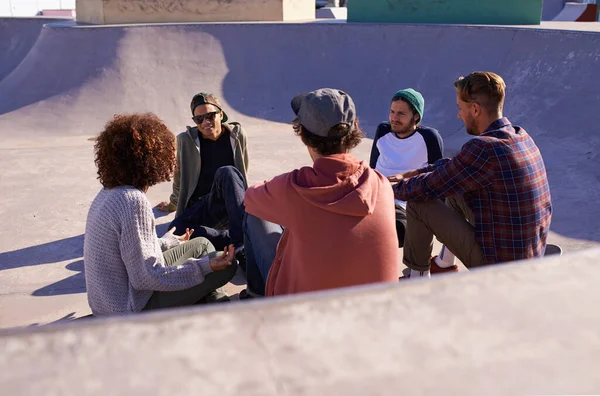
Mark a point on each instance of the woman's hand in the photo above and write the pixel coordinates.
(223, 261)
(182, 238)
(185, 237)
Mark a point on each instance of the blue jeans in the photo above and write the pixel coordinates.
(223, 204)
(260, 244)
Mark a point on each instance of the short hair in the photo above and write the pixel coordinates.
(410, 106)
(135, 150)
(484, 88)
(340, 140)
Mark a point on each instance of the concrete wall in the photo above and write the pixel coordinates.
(551, 9)
(505, 12)
(523, 329)
(165, 11)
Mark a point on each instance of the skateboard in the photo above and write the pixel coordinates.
(552, 250)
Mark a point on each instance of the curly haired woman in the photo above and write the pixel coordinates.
(127, 267)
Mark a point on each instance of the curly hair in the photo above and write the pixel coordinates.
(135, 150)
(331, 145)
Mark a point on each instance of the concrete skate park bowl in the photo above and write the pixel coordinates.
(524, 328)
(578, 12)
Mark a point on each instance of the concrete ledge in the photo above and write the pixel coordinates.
(526, 328)
(166, 11)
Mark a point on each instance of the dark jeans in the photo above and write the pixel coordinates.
(195, 248)
(400, 224)
(224, 203)
(260, 244)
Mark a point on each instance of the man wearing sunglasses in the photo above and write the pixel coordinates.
(211, 177)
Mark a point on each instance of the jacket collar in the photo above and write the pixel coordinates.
(195, 134)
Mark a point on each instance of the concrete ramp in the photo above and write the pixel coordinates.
(551, 8)
(75, 78)
(578, 12)
(17, 37)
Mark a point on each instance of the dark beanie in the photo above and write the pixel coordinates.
(204, 98)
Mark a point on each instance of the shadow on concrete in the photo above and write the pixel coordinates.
(53, 252)
(65, 319)
(158, 214)
(71, 285)
(46, 253)
(162, 229)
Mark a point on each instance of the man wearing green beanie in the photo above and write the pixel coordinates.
(404, 144)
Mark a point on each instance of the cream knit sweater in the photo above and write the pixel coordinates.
(123, 257)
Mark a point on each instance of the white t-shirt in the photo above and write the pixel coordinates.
(399, 155)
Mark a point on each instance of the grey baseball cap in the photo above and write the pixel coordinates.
(319, 111)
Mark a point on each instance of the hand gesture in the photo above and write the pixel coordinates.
(182, 238)
(223, 261)
(403, 176)
(186, 237)
(166, 206)
(396, 178)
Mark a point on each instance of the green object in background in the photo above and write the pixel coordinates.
(488, 12)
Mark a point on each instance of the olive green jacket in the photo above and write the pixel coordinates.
(189, 162)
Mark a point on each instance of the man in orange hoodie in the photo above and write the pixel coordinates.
(323, 226)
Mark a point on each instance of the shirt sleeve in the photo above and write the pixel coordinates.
(470, 170)
(434, 143)
(270, 201)
(432, 167)
(380, 132)
(168, 241)
(140, 252)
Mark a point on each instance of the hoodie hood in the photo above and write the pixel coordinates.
(339, 183)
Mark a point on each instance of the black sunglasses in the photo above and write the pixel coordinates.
(208, 116)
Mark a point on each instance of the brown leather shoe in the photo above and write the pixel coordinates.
(436, 269)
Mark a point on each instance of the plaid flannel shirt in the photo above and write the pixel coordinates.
(502, 176)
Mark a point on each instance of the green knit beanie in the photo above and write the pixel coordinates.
(413, 97)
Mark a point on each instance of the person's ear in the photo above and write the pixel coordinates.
(475, 109)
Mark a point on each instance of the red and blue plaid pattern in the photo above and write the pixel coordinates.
(502, 176)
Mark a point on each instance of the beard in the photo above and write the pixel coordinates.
(402, 130)
(470, 127)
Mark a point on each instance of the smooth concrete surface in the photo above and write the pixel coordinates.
(74, 78)
(526, 329)
(578, 12)
(505, 12)
(332, 13)
(168, 11)
(551, 8)
(17, 37)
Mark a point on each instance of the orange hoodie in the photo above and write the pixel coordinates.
(339, 221)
